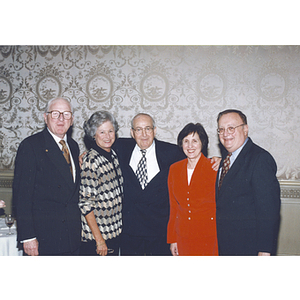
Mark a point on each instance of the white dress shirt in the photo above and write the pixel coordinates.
(57, 140)
(190, 174)
(152, 164)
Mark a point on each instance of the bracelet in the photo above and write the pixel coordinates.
(100, 244)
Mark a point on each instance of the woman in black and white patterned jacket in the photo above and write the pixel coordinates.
(101, 191)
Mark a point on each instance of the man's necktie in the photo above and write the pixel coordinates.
(66, 154)
(141, 172)
(225, 168)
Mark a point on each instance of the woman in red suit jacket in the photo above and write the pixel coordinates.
(192, 223)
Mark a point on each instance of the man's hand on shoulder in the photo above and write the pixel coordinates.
(81, 158)
(215, 160)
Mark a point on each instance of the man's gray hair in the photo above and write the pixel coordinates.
(142, 114)
(50, 102)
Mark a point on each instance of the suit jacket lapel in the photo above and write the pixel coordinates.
(184, 174)
(75, 156)
(134, 179)
(161, 156)
(240, 159)
(236, 165)
(55, 155)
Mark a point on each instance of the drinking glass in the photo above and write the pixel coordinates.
(9, 221)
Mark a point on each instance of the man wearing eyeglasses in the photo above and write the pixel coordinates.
(46, 186)
(146, 201)
(248, 195)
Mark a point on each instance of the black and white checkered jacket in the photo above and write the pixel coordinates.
(101, 191)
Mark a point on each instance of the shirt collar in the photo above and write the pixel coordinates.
(148, 149)
(56, 138)
(237, 151)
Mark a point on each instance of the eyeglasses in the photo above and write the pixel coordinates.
(139, 130)
(230, 130)
(55, 114)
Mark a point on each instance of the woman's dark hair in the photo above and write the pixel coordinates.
(194, 128)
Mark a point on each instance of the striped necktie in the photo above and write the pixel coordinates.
(66, 154)
(225, 168)
(141, 172)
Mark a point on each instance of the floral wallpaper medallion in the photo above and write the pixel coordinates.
(100, 88)
(211, 86)
(154, 87)
(5, 89)
(273, 86)
(48, 87)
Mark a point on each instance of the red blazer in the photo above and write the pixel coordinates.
(192, 207)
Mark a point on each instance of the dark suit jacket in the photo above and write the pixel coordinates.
(248, 204)
(146, 212)
(45, 196)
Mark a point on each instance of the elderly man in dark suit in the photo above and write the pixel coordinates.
(46, 186)
(146, 199)
(247, 191)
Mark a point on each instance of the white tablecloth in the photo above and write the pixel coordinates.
(8, 243)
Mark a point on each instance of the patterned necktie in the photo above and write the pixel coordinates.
(225, 168)
(66, 154)
(141, 171)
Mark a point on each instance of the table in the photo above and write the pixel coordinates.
(8, 243)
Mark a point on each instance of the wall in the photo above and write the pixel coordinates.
(175, 84)
(289, 241)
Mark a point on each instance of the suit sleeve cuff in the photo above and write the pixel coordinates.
(28, 240)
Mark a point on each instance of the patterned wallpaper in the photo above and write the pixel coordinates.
(175, 84)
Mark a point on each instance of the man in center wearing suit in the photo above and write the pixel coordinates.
(248, 196)
(46, 186)
(145, 207)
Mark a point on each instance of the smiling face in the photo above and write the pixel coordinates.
(192, 146)
(144, 138)
(59, 126)
(235, 140)
(105, 136)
